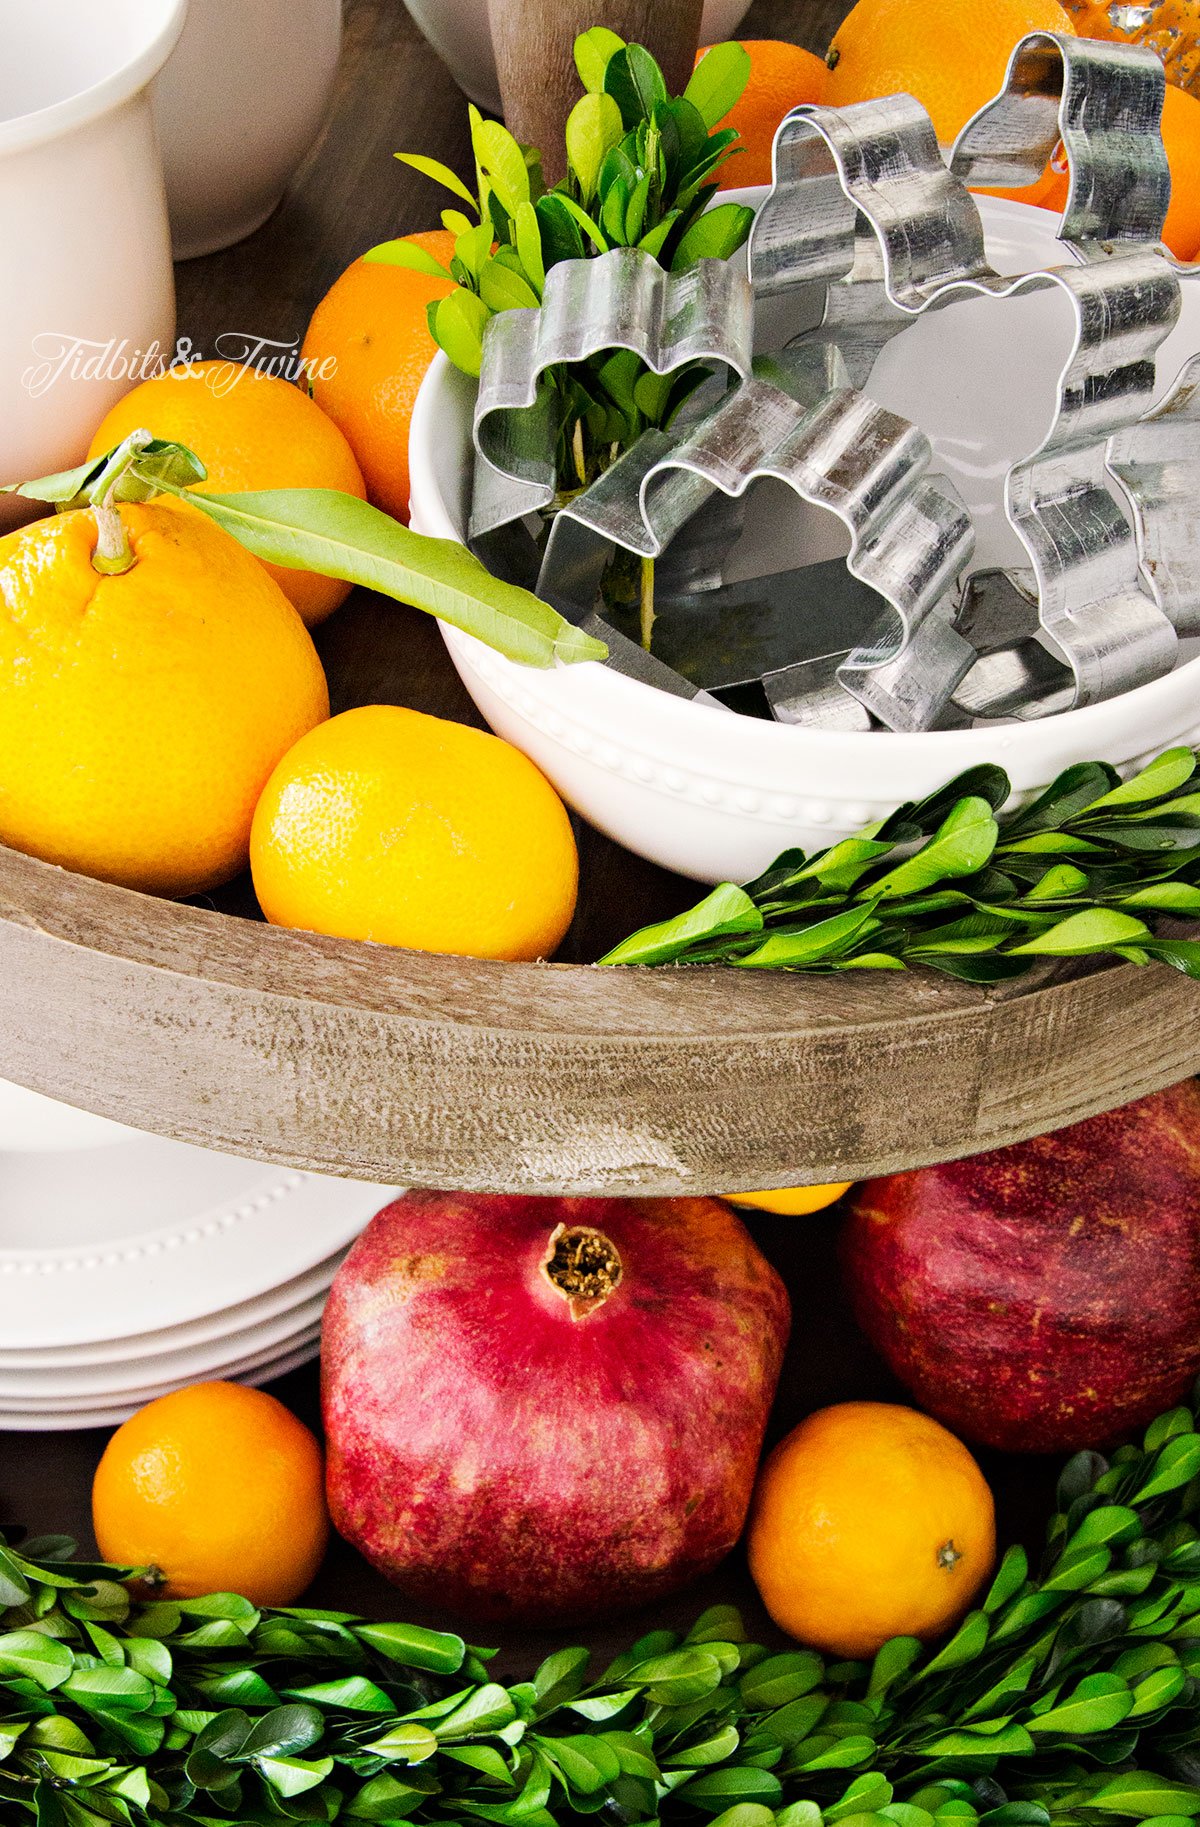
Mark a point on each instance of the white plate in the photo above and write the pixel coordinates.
(240, 1318)
(22, 1422)
(29, 1121)
(239, 1363)
(101, 1244)
(196, 1363)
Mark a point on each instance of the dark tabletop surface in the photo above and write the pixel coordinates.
(393, 94)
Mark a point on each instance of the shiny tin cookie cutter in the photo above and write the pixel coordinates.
(867, 219)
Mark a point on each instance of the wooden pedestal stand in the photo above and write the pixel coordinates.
(404, 1067)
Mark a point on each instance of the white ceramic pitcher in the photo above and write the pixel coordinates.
(86, 288)
(238, 106)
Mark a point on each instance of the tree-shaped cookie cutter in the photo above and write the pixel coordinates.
(866, 220)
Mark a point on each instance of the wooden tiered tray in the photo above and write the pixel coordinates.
(200, 1022)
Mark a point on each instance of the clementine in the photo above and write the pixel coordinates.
(950, 54)
(1172, 28)
(220, 1489)
(387, 824)
(781, 77)
(141, 714)
(793, 1201)
(869, 1521)
(251, 431)
(369, 346)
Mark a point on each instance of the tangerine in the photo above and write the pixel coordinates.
(869, 1521)
(220, 1489)
(391, 825)
(141, 714)
(793, 1201)
(951, 54)
(251, 431)
(1171, 28)
(781, 77)
(370, 347)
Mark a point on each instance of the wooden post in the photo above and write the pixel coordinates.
(538, 80)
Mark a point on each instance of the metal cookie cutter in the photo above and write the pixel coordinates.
(865, 229)
(863, 203)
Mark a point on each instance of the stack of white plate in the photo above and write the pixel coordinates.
(130, 1266)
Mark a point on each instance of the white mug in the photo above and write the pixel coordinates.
(238, 106)
(87, 294)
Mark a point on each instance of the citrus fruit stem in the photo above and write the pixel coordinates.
(113, 554)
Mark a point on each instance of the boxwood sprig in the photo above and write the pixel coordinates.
(967, 887)
(641, 172)
(1070, 1698)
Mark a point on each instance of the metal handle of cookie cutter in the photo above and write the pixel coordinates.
(867, 222)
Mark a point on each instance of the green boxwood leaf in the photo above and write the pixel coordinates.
(412, 1647)
(594, 51)
(406, 253)
(781, 1679)
(1142, 1797)
(441, 174)
(350, 1694)
(594, 126)
(1097, 929)
(33, 1654)
(457, 323)
(560, 1677)
(717, 82)
(290, 1776)
(823, 939)
(962, 844)
(728, 909)
(635, 82)
(527, 230)
(1165, 774)
(501, 160)
(718, 1789)
(1097, 1704)
(1176, 1464)
(715, 235)
(503, 290)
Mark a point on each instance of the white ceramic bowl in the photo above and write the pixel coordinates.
(83, 219)
(461, 34)
(717, 796)
(238, 106)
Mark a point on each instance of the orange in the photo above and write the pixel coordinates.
(793, 1201)
(369, 346)
(250, 431)
(141, 715)
(869, 1521)
(390, 825)
(1172, 28)
(1181, 137)
(950, 54)
(781, 77)
(220, 1489)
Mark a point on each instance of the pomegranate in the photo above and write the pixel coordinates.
(544, 1409)
(1045, 1297)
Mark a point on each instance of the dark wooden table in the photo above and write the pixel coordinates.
(395, 94)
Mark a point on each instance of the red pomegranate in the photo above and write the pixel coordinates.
(1045, 1297)
(545, 1409)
